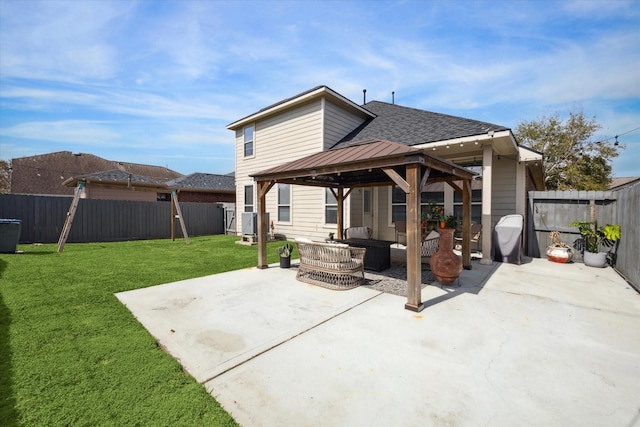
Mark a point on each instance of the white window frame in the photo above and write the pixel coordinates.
(246, 142)
(326, 205)
(244, 199)
(288, 204)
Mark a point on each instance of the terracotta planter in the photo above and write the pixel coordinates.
(560, 255)
(445, 264)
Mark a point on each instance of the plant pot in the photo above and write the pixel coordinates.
(595, 259)
(559, 254)
(285, 262)
(445, 264)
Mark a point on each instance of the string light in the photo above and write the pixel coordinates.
(616, 143)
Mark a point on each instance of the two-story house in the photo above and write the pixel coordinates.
(321, 120)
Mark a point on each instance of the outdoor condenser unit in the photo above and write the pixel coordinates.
(250, 223)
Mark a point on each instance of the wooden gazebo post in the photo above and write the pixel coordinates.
(263, 189)
(414, 262)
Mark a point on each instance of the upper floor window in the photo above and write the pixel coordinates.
(284, 202)
(248, 141)
(248, 198)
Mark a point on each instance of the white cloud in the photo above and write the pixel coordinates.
(68, 131)
(63, 41)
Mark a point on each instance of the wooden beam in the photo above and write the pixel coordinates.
(414, 237)
(395, 177)
(349, 192)
(466, 224)
(263, 189)
(66, 228)
(455, 187)
(174, 201)
(425, 177)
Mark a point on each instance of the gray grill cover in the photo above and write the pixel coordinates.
(507, 239)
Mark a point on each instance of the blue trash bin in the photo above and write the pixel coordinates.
(9, 235)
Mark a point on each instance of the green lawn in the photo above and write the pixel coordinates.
(72, 354)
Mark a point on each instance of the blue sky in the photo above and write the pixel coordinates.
(156, 82)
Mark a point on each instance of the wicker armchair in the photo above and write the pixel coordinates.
(330, 265)
(430, 244)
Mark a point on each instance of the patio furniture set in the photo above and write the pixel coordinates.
(340, 264)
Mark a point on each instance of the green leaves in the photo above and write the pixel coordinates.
(572, 159)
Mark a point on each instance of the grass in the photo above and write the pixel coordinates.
(72, 354)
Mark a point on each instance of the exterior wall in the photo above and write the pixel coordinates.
(108, 193)
(285, 137)
(288, 136)
(386, 229)
(503, 191)
(338, 124)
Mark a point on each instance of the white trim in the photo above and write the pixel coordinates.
(487, 175)
(521, 190)
(527, 155)
(290, 204)
(321, 91)
(253, 142)
(467, 139)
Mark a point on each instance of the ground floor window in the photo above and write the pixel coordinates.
(429, 203)
(248, 198)
(284, 202)
(330, 207)
(476, 206)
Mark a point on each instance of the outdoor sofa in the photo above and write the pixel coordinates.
(330, 265)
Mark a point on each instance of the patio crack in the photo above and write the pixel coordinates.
(304, 331)
(488, 368)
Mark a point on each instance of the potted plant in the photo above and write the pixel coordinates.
(285, 255)
(450, 221)
(593, 237)
(558, 251)
(442, 218)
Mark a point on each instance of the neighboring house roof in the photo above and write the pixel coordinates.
(617, 183)
(306, 96)
(205, 182)
(116, 176)
(411, 126)
(196, 182)
(44, 174)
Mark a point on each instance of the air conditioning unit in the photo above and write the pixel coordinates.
(250, 223)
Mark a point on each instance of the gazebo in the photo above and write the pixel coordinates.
(372, 163)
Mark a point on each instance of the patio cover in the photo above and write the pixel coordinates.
(372, 163)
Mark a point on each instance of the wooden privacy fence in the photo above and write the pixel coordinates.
(555, 210)
(106, 220)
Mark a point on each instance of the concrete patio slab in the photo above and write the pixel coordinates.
(213, 323)
(536, 344)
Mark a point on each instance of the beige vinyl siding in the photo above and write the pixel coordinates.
(279, 139)
(387, 230)
(355, 202)
(503, 193)
(338, 124)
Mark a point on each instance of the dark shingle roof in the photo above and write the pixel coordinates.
(45, 173)
(411, 126)
(117, 175)
(205, 182)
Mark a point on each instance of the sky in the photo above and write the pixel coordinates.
(156, 82)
